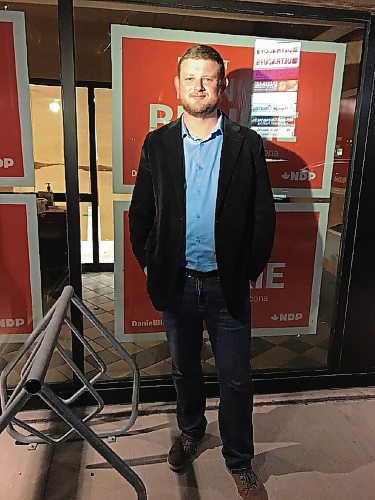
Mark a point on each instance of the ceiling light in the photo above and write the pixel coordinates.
(54, 106)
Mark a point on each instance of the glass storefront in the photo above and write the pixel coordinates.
(46, 229)
(280, 352)
(317, 145)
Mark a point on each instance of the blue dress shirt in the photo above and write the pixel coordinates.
(202, 165)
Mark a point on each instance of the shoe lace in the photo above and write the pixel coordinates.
(248, 479)
(189, 445)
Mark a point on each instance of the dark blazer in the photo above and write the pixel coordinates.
(245, 213)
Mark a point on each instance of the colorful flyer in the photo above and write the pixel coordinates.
(285, 298)
(20, 285)
(16, 150)
(271, 57)
(275, 86)
(279, 84)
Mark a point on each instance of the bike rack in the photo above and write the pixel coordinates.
(32, 383)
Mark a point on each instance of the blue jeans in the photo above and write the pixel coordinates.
(199, 300)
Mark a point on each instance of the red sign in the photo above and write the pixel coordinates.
(16, 160)
(285, 298)
(20, 293)
(139, 314)
(343, 149)
(146, 97)
(282, 298)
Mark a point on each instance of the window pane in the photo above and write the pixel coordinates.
(47, 231)
(290, 350)
(103, 123)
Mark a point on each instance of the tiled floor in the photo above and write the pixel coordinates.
(311, 446)
(152, 356)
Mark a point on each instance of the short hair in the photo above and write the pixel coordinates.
(203, 52)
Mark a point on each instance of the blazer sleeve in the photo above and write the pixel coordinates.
(142, 207)
(264, 217)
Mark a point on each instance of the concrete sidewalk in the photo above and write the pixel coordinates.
(309, 446)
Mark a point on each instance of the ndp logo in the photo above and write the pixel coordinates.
(6, 162)
(11, 322)
(300, 175)
(287, 316)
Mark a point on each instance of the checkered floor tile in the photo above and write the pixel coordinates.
(153, 358)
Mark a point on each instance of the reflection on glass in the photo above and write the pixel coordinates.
(103, 107)
(286, 352)
(83, 140)
(53, 251)
(48, 142)
(86, 233)
(46, 116)
(47, 136)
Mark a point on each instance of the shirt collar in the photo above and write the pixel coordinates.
(217, 130)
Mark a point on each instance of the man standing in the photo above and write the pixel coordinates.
(202, 224)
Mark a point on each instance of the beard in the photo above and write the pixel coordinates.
(200, 109)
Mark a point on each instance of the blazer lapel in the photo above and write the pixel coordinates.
(232, 142)
(174, 148)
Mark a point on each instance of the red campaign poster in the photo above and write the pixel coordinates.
(343, 151)
(16, 158)
(20, 291)
(285, 299)
(139, 314)
(145, 98)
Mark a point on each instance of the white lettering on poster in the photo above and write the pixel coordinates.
(11, 322)
(147, 322)
(6, 162)
(258, 298)
(339, 179)
(300, 175)
(269, 275)
(161, 114)
(275, 132)
(287, 316)
(271, 54)
(264, 109)
(271, 153)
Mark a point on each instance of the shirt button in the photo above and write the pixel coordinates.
(198, 191)
(198, 216)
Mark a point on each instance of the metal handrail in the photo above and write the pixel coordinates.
(32, 383)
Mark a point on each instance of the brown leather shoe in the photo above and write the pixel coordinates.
(182, 453)
(249, 487)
